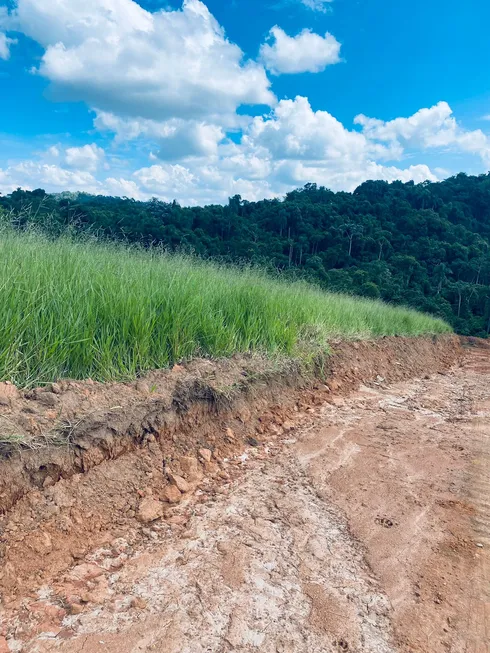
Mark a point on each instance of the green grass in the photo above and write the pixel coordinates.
(99, 310)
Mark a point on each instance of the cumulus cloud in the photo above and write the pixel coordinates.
(297, 173)
(177, 138)
(295, 131)
(86, 158)
(119, 58)
(205, 184)
(434, 127)
(33, 174)
(5, 44)
(306, 52)
(286, 149)
(56, 169)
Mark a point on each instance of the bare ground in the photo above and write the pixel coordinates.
(360, 524)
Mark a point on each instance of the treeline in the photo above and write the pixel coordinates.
(424, 245)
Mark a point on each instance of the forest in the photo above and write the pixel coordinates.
(425, 245)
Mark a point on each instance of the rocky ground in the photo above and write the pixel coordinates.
(359, 524)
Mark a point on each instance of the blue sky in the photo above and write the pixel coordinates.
(202, 100)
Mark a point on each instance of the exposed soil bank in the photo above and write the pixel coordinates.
(69, 427)
(156, 449)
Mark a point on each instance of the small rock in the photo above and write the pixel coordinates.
(230, 434)
(138, 603)
(99, 594)
(142, 387)
(253, 442)
(172, 494)
(179, 482)
(86, 571)
(47, 398)
(479, 545)
(178, 520)
(206, 454)
(211, 468)
(150, 510)
(74, 608)
(190, 468)
(53, 613)
(4, 401)
(55, 388)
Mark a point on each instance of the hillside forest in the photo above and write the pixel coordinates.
(421, 245)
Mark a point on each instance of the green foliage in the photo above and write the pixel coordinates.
(424, 245)
(82, 308)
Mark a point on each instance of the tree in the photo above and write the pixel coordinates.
(351, 230)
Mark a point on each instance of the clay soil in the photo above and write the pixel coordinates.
(282, 517)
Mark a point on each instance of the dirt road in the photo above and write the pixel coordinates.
(364, 528)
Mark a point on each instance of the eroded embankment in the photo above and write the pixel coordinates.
(107, 459)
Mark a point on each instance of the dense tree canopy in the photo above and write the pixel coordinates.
(424, 245)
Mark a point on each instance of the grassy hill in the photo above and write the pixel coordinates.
(424, 246)
(87, 309)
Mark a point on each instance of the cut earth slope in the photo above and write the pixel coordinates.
(283, 517)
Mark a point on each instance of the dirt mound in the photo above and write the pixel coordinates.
(109, 465)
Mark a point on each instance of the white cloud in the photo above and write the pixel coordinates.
(289, 147)
(295, 131)
(53, 152)
(56, 169)
(286, 149)
(292, 146)
(121, 188)
(199, 185)
(306, 52)
(5, 44)
(158, 178)
(294, 174)
(31, 174)
(86, 158)
(178, 139)
(119, 58)
(168, 84)
(434, 127)
(317, 5)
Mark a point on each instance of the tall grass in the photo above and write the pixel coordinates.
(105, 311)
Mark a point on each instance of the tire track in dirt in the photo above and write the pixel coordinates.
(478, 627)
(479, 601)
(409, 465)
